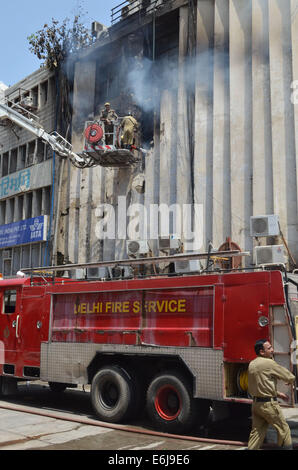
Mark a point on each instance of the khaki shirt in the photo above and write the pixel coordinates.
(108, 115)
(263, 374)
(129, 123)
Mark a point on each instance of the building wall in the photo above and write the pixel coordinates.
(26, 173)
(224, 124)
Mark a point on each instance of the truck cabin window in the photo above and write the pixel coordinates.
(9, 301)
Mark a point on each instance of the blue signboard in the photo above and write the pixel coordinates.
(25, 231)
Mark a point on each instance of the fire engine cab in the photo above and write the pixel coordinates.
(176, 344)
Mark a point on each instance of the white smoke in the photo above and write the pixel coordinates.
(148, 79)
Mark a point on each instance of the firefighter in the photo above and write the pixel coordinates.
(263, 373)
(108, 116)
(129, 126)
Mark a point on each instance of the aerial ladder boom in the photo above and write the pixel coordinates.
(60, 145)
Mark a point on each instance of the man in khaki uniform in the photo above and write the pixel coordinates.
(263, 373)
(129, 126)
(108, 116)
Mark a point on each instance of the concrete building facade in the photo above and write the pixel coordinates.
(26, 178)
(212, 84)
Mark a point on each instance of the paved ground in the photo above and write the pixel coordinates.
(291, 415)
(22, 431)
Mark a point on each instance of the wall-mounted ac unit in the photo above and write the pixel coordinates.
(78, 273)
(169, 243)
(137, 247)
(264, 226)
(27, 101)
(98, 273)
(187, 266)
(97, 29)
(273, 254)
(122, 272)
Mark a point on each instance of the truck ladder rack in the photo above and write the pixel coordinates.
(138, 261)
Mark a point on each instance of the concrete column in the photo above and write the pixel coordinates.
(122, 180)
(96, 197)
(283, 132)
(241, 119)
(203, 138)
(152, 187)
(221, 126)
(261, 117)
(63, 238)
(16, 217)
(84, 240)
(83, 105)
(294, 29)
(137, 223)
(83, 100)
(167, 146)
(34, 204)
(73, 211)
(110, 199)
(184, 180)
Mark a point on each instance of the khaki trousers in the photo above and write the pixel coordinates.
(263, 415)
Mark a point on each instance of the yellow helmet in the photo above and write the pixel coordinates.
(107, 104)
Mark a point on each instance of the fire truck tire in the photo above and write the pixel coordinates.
(113, 394)
(170, 404)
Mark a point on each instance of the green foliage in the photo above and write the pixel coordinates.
(54, 43)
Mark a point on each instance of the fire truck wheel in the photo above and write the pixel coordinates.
(112, 394)
(170, 405)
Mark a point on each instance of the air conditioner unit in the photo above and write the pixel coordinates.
(27, 101)
(122, 272)
(169, 243)
(186, 266)
(264, 226)
(98, 273)
(137, 247)
(79, 273)
(273, 254)
(6, 254)
(97, 29)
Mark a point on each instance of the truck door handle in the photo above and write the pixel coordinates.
(17, 326)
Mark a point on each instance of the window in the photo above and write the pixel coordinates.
(40, 151)
(9, 305)
(43, 93)
(34, 96)
(13, 161)
(5, 160)
(32, 147)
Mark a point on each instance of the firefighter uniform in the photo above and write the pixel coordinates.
(129, 126)
(107, 116)
(263, 374)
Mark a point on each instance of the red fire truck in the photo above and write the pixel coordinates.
(175, 344)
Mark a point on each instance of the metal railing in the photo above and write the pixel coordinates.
(130, 7)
